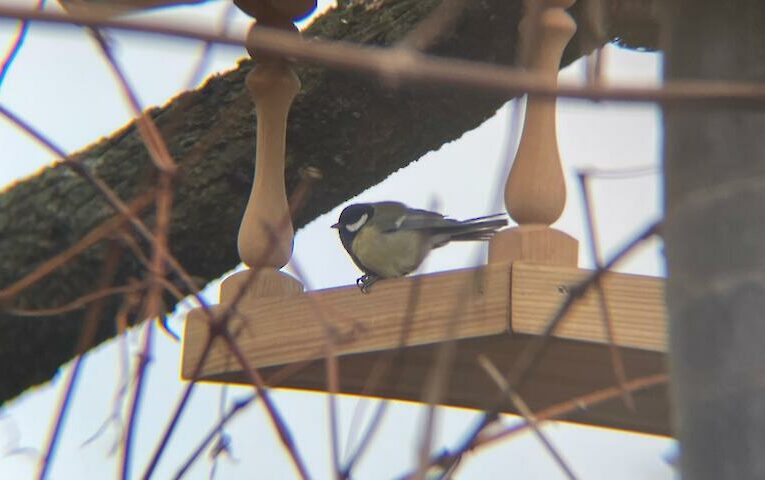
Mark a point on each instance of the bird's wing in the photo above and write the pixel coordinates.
(415, 219)
(442, 230)
(426, 220)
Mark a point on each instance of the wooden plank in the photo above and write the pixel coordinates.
(636, 304)
(418, 310)
(569, 369)
(290, 333)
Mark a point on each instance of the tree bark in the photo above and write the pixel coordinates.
(715, 243)
(353, 129)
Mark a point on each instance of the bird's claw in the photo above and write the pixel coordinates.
(365, 282)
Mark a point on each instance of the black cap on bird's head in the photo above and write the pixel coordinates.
(353, 217)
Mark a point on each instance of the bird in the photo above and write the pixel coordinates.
(389, 239)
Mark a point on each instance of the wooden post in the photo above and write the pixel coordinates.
(266, 233)
(535, 192)
(715, 241)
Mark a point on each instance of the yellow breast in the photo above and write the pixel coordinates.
(390, 254)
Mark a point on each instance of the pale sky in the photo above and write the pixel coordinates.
(60, 77)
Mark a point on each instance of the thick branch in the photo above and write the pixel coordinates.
(356, 131)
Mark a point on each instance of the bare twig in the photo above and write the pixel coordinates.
(406, 66)
(576, 404)
(235, 408)
(595, 65)
(112, 199)
(79, 303)
(18, 42)
(620, 173)
(108, 271)
(526, 412)
(222, 437)
(556, 411)
(129, 304)
(330, 331)
(179, 408)
(204, 56)
(63, 409)
(435, 24)
(333, 386)
(605, 312)
(144, 357)
(273, 413)
(93, 237)
(163, 161)
(147, 129)
(381, 368)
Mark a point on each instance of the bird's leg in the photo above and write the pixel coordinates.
(366, 281)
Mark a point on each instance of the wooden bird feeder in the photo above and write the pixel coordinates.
(495, 310)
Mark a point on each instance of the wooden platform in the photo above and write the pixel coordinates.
(494, 310)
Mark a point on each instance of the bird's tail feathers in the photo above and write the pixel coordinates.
(500, 216)
(473, 229)
(481, 228)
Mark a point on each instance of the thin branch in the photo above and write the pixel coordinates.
(163, 161)
(147, 129)
(333, 386)
(526, 412)
(206, 54)
(380, 370)
(91, 238)
(58, 424)
(18, 42)
(79, 303)
(581, 403)
(93, 315)
(620, 173)
(330, 330)
(273, 413)
(197, 452)
(608, 322)
(399, 65)
(121, 321)
(221, 434)
(435, 24)
(179, 408)
(143, 361)
(114, 201)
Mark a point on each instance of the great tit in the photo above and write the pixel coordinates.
(389, 239)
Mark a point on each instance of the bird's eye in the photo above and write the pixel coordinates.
(352, 227)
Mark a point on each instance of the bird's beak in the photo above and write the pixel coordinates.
(337, 225)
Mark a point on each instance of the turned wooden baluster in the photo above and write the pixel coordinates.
(535, 192)
(266, 233)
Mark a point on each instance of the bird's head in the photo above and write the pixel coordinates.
(352, 218)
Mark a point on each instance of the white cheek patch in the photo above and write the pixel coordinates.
(352, 227)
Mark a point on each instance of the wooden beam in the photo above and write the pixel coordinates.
(279, 330)
(494, 310)
(635, 303)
